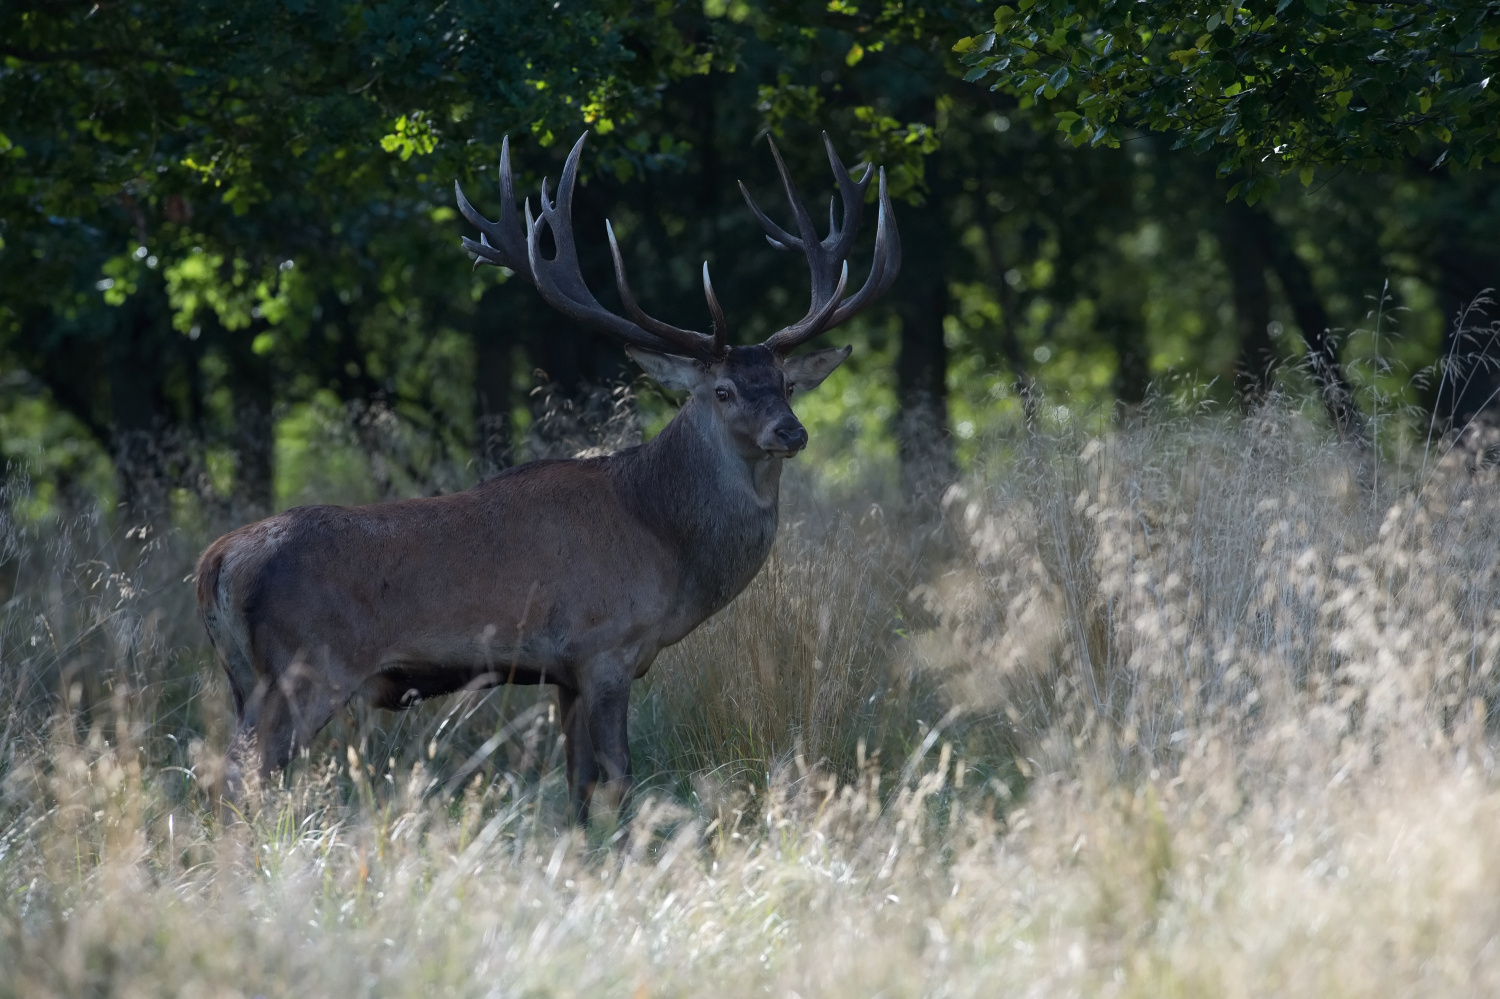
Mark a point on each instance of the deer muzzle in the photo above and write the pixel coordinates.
(783, 438)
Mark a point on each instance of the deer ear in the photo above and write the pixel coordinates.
(806, 372)
(670, 371)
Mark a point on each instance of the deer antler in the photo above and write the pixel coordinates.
(827, 259)
(509, 246)
(559, 280)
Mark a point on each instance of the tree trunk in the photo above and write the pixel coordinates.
(1133, 375)
(920, 299)
(1022, 383)
(1469, 387)
(138, 419)
(1307, 307)
(923, 442)
(494, 376)
(1240, 249)
(253, 436)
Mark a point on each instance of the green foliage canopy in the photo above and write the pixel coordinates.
(238, 170)
(1269, 86)
(249, 129)
(233, 223)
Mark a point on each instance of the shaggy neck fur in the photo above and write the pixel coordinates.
(691, 487)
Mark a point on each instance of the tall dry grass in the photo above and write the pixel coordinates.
(1187, 708)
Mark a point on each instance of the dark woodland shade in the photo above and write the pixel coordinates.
(1016, 238)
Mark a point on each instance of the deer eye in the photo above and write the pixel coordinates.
(722, 393)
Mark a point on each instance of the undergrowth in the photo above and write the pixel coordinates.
(1191, 706)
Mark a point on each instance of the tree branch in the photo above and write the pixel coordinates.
(63, 55)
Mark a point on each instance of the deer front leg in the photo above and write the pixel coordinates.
(607, 701)
(583, 769)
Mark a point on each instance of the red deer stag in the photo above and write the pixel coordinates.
(574, 572)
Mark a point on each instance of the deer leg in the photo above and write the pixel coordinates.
(607, 699)
(288, 712)
(231, 785)
(583, 769)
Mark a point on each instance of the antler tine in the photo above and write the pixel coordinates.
(785, 340)
(588, 311)
(559, 280)
(775, 235)
(688, 341)
(828, 257)
(884, 266)
(721, 325)
(561, 284)
(852, 192)
(809, 235)
(503, 242)
(558, 213)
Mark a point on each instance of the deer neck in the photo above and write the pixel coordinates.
(755, 482)
(714, 507)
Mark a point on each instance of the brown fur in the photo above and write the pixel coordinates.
(574, 573)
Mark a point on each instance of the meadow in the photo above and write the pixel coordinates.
(1169, 706)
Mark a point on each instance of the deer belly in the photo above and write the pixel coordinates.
(541, 641)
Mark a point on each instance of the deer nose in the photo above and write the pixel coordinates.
(793, 437)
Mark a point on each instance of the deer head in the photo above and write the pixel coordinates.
(747, 389)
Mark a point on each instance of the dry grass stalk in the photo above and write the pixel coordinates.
(1196, 714)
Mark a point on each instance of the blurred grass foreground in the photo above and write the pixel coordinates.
(1181, 708)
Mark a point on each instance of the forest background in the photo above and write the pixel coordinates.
(1131, 628)
(230, 277)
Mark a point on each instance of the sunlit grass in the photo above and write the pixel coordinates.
(1180, 709)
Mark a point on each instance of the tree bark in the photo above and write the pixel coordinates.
(1468, 390)
(494, 376)
(920, 299)
(1023, 383)
(1133, 375)
(923, 442)
(253, 436)
(1307, 307)
(1240, 249)
(138, 417)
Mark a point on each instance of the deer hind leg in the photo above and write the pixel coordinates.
(227, 636)
(583, 768)
(288, 710)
